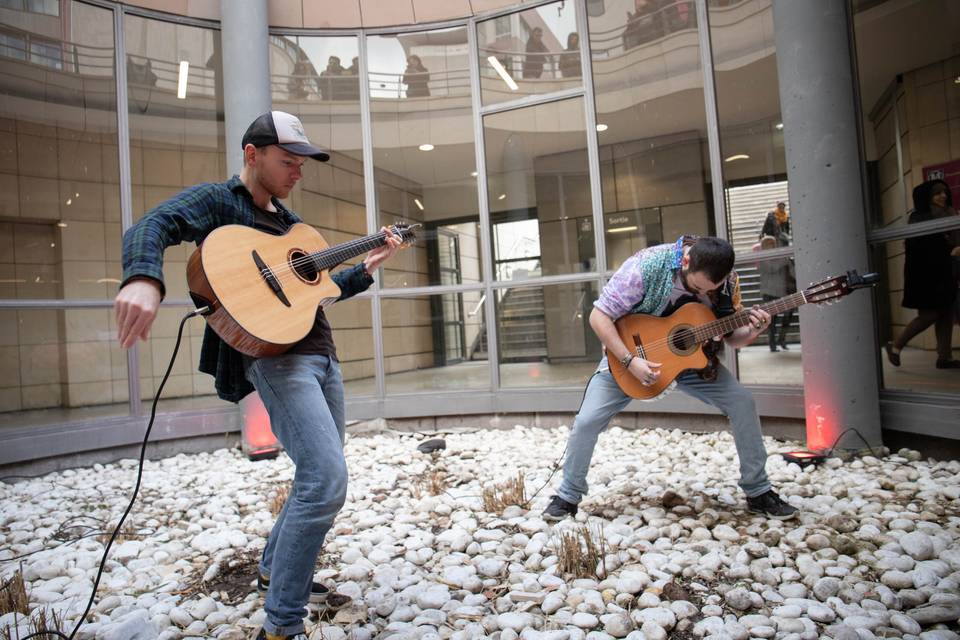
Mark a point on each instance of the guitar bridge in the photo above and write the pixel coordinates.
(270, 277)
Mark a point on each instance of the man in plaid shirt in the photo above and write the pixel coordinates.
(302, 389)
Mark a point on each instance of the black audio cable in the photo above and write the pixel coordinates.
(136, 489)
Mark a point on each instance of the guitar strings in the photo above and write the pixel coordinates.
(287, 272)
(314, 259)
(730, 322)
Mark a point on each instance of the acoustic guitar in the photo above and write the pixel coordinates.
(263, 290)
(676, 341)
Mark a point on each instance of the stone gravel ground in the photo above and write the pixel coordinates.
(874, 553)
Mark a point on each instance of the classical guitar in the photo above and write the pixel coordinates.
(263, 290)
(676, 341)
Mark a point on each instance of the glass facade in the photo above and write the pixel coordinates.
(532, 177)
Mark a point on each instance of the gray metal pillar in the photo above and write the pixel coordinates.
(246, 70)
(817, 100)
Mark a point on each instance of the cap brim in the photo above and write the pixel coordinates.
(303, 149)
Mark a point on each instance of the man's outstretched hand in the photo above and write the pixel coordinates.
(136, 308)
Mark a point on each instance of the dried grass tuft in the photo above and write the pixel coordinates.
(431, 483)
(13, 599)
(581, 551)
(44, 621)
(511, 492)
(13, 595)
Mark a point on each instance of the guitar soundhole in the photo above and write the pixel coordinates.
(303, 266)
(682, 340)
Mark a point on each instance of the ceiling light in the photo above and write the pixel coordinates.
(473, 173)
(502, 72)
(182, 81)
(602, 127)
(62, 224)
(419, 204)
(739, 156)
(69, 201)
(426, 147)
(956, 80)
(502, 196)
(779, 126)
(622, 229)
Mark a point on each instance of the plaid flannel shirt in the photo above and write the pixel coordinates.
(188, 217)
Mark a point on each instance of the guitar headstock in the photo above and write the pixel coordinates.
(830, 290)
(406, 231)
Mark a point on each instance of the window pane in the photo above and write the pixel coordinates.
(539, 191)
(59, 205)
(529, 52)
(424, 154)
(909, 95)
(751, 132)
(317, 79)
(544, 335)
(926, 334)
(651, 124)
(175, 143)
(774, 357)
(353, 334)
(435, 343)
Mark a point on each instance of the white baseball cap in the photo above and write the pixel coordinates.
(284, 130)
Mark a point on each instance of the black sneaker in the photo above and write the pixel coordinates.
(770, 505)
(297, 636)
(558, 509)
(318, 592)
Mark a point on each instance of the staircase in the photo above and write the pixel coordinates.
(521, 328)
(748, 207)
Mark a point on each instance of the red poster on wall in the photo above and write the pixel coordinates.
(949, 172)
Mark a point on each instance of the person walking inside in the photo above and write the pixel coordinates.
(929, 283)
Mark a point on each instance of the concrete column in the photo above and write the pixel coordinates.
(817, 100)
(246, 71)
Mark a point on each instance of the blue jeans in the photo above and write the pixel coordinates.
(604, 399)
(304, 396)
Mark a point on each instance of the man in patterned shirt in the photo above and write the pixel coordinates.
(657, 281)
(302, 389)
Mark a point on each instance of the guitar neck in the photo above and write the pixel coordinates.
(723, 326)
(332, 256)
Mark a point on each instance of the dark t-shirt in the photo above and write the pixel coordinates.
(680, 296)
(319, 341)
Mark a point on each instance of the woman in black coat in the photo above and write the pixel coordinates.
(929, 285)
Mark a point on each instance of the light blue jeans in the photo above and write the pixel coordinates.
(303, 395)
(604, 399)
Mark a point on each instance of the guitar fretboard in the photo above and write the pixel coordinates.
(723, 326)
(329, 258)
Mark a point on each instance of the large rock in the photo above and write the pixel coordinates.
(918, 546)
(929, 614)
(135, 626)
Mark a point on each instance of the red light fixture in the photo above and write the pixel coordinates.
(803, 458)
